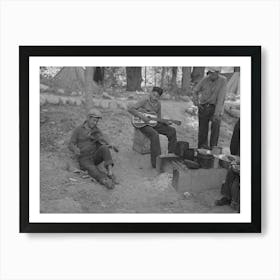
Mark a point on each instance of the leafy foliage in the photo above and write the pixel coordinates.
(49, 72)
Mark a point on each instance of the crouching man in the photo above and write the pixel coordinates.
(89, 145)
(231, 188)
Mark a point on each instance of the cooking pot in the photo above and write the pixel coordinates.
(205, 158)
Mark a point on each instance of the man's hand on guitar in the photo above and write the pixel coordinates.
(177, 122)
(145, 119)
(170, 122)
(166, 122)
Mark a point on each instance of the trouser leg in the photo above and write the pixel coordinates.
(170, 133)
(235, 191)
(215, 132)
(152, 134)
(226, 189)
(203, 124)
(93, 170)
(103, 154)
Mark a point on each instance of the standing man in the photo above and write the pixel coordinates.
(151, 104)
(91, 148)
(209, 96)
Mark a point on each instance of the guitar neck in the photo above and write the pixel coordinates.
(159, 120)
(153, 117)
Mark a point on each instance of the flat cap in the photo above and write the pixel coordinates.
(95, 113)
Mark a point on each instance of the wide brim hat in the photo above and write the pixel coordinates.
(213, 69)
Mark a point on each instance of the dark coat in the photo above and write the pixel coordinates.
(235, 140)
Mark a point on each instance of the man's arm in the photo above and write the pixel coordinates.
(105, 140)
(133, 109)
(102, 138)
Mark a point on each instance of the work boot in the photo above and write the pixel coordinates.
(114, 178)
(223, 201)
(205, 146)
(109, 170)
(108, 183)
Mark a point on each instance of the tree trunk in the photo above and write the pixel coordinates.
(186, 79)
(133, 78)
(98, 75)
(174, 78)
(113, 81)
(145, 77)
(163, 71)
(197, 74)
(90, 87)
(168, 77)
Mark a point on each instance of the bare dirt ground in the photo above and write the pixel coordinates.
(141, 189)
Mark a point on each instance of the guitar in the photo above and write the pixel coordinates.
(153, 120)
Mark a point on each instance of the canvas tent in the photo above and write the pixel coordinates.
(70, 78)
(73, 79)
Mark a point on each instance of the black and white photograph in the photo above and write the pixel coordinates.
(140, 139)
(156, 143)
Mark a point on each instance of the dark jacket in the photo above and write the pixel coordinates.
(86, 139)
(235, 140)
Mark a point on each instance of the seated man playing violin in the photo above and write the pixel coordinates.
(91, 147)
(148, 111)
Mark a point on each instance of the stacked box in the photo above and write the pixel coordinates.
(196, 180)
(141, 143)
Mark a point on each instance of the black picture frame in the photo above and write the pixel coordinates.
(254, 52)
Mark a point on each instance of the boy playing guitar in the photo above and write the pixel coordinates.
(147, 118)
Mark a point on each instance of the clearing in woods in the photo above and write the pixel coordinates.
(141, 189)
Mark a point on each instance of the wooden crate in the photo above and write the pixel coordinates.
(164, 163)
(196, 180)
(141, 143)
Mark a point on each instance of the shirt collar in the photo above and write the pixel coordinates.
(85, 124)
